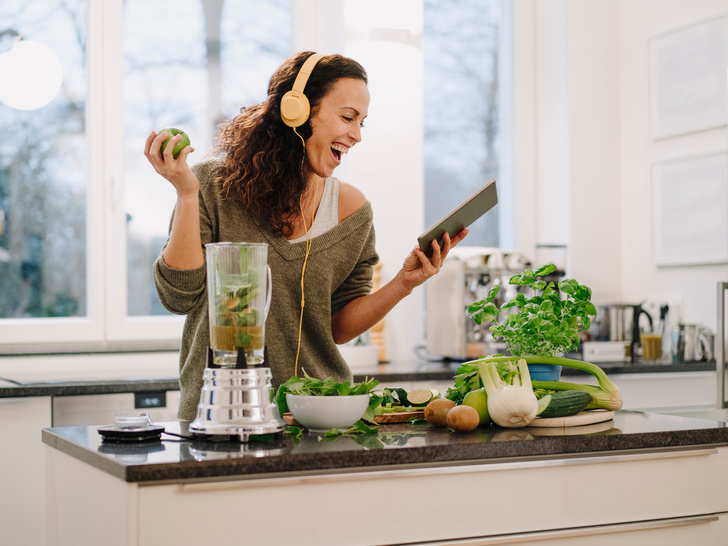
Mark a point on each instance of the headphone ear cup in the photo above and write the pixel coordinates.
(294, 109)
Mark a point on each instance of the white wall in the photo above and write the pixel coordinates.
(387, 165)
(696, 285)
(586, 62)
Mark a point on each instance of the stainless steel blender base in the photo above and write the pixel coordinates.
(237, 402)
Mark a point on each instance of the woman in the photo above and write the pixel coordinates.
(273, 184)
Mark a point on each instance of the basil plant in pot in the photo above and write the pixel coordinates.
(543, 325)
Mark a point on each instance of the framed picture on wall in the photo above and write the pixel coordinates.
(690, 211)
(688, 90)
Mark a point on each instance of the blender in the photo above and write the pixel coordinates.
(237, 398)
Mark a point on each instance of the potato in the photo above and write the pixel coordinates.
(437, 410)
(463, 418)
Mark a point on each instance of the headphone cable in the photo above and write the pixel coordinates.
(305, 258)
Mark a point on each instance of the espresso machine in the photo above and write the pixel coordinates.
(466, 276)
(237, 398)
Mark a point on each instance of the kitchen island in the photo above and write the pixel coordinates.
(641, 478)
(71, 399)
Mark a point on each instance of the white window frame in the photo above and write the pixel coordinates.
(106, 326)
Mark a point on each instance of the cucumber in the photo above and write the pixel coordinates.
(563, 403)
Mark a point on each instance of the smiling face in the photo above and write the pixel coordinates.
(336, 124)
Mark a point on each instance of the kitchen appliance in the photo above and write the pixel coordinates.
(693, 343)
(237, 402)
(239, 295)
(466, 276)
(621, 322)
(131, 429)
(606, 351)
(237, 397)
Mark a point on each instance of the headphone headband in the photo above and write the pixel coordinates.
(300, 84)
(295, 107)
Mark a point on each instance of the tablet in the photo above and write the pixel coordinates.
(460, 217)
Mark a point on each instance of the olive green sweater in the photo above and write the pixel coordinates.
(339, 270)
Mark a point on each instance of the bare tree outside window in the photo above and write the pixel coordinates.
(43, 173)
(460, 44)
(188, 64)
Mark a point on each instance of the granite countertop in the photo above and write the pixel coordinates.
(434, 370)
(420, 370)
(394, 446)
(11, 389)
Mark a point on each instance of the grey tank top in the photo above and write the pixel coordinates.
(327, 215)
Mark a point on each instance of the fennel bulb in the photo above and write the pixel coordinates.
(511, 403)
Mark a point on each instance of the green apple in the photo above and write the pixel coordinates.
(173, 131)
(478, 400)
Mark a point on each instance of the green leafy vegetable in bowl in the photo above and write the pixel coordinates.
(310, 386)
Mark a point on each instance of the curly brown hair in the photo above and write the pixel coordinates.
(262, 156)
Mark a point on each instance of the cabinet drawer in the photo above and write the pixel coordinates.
(706, 530)
(512, 497)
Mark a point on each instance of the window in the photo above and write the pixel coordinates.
(462, 46)
(43, 171)
(187, 64)
(82, 213)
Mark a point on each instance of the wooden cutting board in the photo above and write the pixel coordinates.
(398, 417)
(571, 431)
(385, 418)
(583, 418)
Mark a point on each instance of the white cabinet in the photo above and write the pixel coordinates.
(22, 464)
(538, 499)
(658, 391)
(102, 409)
(709, 529)
(22, 469)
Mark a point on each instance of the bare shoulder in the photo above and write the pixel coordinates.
(351, 199)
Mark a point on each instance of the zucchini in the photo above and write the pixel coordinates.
(563, 403)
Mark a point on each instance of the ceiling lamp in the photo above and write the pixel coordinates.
(30, 75)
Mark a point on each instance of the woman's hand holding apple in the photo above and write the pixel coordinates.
(174, 169)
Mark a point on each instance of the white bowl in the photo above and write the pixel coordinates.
(320, 413)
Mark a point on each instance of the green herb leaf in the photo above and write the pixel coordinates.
(493, 292)
(542, 322)
(545, 270)
(295, 432)
(374, 402)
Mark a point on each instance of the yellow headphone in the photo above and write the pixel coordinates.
(295, 107)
